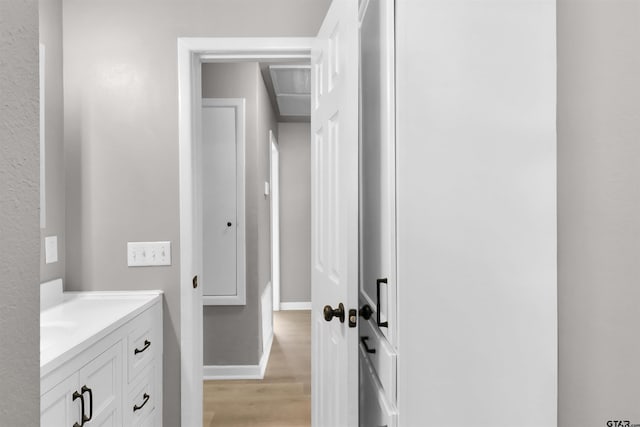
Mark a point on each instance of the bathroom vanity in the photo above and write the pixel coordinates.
(101, 359)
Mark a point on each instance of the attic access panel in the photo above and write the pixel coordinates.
(292, 87)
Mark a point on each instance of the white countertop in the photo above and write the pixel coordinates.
(83, 318)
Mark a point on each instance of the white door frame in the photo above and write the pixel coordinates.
(274, 171)
(240, 298)
(192, 52)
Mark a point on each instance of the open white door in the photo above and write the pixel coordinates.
(334, 216)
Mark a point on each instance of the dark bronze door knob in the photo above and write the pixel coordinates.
(330, 313)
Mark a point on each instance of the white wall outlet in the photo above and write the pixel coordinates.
(50, 249)
(142, 254)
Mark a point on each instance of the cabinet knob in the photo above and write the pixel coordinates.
(365, 312)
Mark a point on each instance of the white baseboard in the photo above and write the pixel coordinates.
(239, 372)
(305, 305)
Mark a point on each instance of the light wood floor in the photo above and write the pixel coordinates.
(283, 398)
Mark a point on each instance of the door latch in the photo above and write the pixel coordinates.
(353, 318)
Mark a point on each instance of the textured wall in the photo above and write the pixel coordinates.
(51, 38)
(294, 140)
(121, 135)
(19, 215)
(598, 211)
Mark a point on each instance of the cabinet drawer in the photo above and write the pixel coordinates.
(375, 409)
(142, 344)
(141, 400)
(383, 361)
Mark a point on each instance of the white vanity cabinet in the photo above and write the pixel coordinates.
(96, 387)
(101, 361)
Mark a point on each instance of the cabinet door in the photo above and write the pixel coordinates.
(103, 377)
(377, 160)
(57, 407)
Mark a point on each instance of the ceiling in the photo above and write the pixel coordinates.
(289, 86)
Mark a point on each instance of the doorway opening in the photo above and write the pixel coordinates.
(193, 55)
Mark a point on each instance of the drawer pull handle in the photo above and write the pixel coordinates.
(147, 343)
(380, 324)
(84, 390)
(75, 396)
(146, 399)
(363, 340)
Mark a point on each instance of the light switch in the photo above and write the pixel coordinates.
(144, 254)
(51, 249)
(266, 188)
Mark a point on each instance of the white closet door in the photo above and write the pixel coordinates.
(219, 200)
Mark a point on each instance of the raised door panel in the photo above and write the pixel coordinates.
(57, 406)
(103, 376)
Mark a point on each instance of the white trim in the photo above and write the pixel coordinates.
(240, 298)
(304, 305)
(43, 150)
(239, 372)
(191, 50)
(274, 175)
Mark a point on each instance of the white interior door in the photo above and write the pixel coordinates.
(334, 216)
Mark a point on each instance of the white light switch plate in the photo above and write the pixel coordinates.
(50, 249)
(266, 188)
(142, 254)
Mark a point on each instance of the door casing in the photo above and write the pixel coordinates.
(274, 161)
(192, 52)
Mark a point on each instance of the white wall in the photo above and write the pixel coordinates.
(19, 215)
(51, 37)
(598, 211)
(294, 141)
(121, 135)
(476, 213)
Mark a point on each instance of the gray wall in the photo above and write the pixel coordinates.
(294, 141)
(19, 215)
(232, 333)
(598, 211)
(121, 135)
(51, 37)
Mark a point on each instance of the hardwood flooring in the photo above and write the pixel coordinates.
(283, 397)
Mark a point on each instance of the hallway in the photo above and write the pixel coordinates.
(283, 398)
